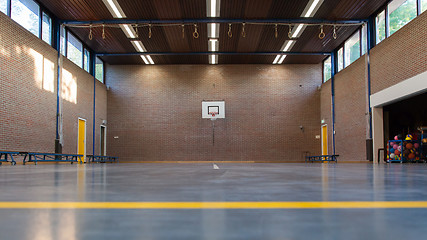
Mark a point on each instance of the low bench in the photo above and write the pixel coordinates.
(327, 158)
(6, 156)
(101, 159)
(53, 157)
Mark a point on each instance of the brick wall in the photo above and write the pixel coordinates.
(401, 56)
(326, 111)
(155, 111)
(397, 58)
(28, 70)
(350, 108)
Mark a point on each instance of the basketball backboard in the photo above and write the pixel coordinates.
(213, 109)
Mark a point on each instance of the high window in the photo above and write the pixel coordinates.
(400, 13)
(380, 27)
(86, 60)
(3, 6)
(26, 13)
(99, 69)
(423, 5)
(74, 50)
(327, 69)
(47, 29)
(340, 57)
(364, 39)
(352, 49)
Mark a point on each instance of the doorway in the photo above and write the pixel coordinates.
(81, 138)
(325, 140)
(103, 147)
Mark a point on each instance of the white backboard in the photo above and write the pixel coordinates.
(213, 106)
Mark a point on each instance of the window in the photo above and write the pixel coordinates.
(423, 5)
(74, 50)
(26, 13)
(400, 13)
(3, 6)
(352, 49)
(62, 33)
(380, 27)
(86, 60)
(364, 40)
(327, 69)
(47, 29)
(340, 59)
(99, 69)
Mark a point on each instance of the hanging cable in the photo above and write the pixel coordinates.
(183, 31)
(90, 33)
(243, 30)
(149, 30)
(230, 33)
(290, 32)
(136, 32)
(276, 34)
(195, 33)
(103, 31)
(321, 34)
(335, 32)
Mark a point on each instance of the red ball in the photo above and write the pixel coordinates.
(397, 152)
(411, 156)
(409, 146)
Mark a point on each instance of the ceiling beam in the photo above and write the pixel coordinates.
(220, 20)
(215, 53)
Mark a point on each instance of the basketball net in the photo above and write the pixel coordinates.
(213, 118)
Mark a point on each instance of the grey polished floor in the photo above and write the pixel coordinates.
(242, 182)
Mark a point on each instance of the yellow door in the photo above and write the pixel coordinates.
(81, 142)
(324, 140)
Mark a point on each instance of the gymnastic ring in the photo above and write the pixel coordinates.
(195, 34)
(322, 35)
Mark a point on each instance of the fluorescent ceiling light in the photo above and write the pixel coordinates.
(138, 46)
(288, 45)
(276, 59)
(129, 31)
(213, 59)
(310, 11)
(213, 45)
(281, 59)
(297, 30)
(145, 59)
(213, 30)
(213, 8)
(114, 8)
(149, 59)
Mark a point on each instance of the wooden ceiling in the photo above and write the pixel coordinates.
(259, 38)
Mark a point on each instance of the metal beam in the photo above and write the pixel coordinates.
(218, 20)
(213, 53)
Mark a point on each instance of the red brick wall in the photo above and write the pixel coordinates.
(397, 58)
(350, 109)
(326, 111)
(155, 111)
(401, 56)
(28, 111)
(83, 108)
(28, 94)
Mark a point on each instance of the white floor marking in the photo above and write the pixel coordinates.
(215, 166)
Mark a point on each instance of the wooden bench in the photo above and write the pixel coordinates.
(327, 158)
(53, 157)
(101, 159)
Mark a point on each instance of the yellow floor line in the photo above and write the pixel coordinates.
(210, 205)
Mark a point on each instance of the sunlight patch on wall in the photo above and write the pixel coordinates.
(44, 71)
(69, 87)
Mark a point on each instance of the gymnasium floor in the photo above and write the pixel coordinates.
(198, 201)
